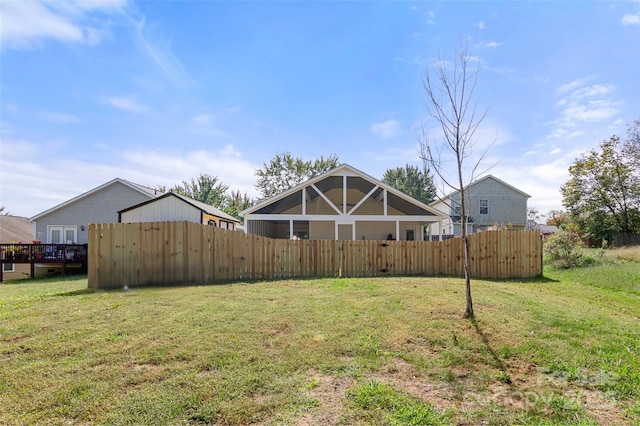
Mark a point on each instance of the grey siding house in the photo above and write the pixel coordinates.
(69, 222)
(490, 202)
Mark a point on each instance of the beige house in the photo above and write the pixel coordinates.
(15, 230)
(341, 204)
(489, 202)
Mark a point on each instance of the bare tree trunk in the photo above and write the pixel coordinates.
(468, 313)
(451, 105)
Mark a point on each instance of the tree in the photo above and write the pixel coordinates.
(558, 218)
(563, 249)
(236, 202)
(602, 194)
(631, 147)
(450, 94)
(533, 219)
(412, 181)
(284, 172)
(204, 188)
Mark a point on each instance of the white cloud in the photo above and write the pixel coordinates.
(479, 25)
(27, 23)
(494, 44)
(386, 129)
(201, 119)
(60, 118)
(631, 19)
(161, 53)
(28, 187)
(582, 104)
(568, 87)
(127, 104)
(171, 168)
(430, 20)
(595, 90)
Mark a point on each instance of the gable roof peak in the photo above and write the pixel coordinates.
(149, 192)
(336, 171)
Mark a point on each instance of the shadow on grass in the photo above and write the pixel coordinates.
(540, 279)
(80, 292)
(53, 278)
(485, 340)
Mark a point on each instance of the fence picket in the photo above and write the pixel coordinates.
(160, 253)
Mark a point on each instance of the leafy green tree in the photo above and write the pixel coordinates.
(602, 195)
(284, 172)
(412, 181)
(204, 188)
(236, 202)
(631, 147)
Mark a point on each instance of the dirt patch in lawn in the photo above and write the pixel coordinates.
(330, 392)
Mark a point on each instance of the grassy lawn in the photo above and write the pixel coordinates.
(564, 349)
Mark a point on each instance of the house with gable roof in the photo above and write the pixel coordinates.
(69, 221)
(341, 204)
(489, 202)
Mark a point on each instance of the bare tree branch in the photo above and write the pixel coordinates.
(450, 91)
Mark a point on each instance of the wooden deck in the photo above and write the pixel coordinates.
(40, 254)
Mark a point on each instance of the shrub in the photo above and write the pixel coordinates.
(563, 249)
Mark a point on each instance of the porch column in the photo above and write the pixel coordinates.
(291, 229)
(304, 201)
(397, 230)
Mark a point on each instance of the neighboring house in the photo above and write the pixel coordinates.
(175, 207)
(15, 229)
(69, 222)
(341, 204)
(547, 230)
(490, 202)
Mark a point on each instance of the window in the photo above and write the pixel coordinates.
(410, 234)
(8, 267)
(484, 206)
(62, 234)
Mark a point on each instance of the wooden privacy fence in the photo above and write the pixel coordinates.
(167, 253)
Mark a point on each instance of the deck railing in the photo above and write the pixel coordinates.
(60, 254)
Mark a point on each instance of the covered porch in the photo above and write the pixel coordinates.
(389, 228)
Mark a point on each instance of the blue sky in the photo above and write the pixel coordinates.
(157, 92)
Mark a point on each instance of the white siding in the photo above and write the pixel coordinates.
(163, 210)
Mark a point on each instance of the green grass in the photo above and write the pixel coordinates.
(563, 349)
